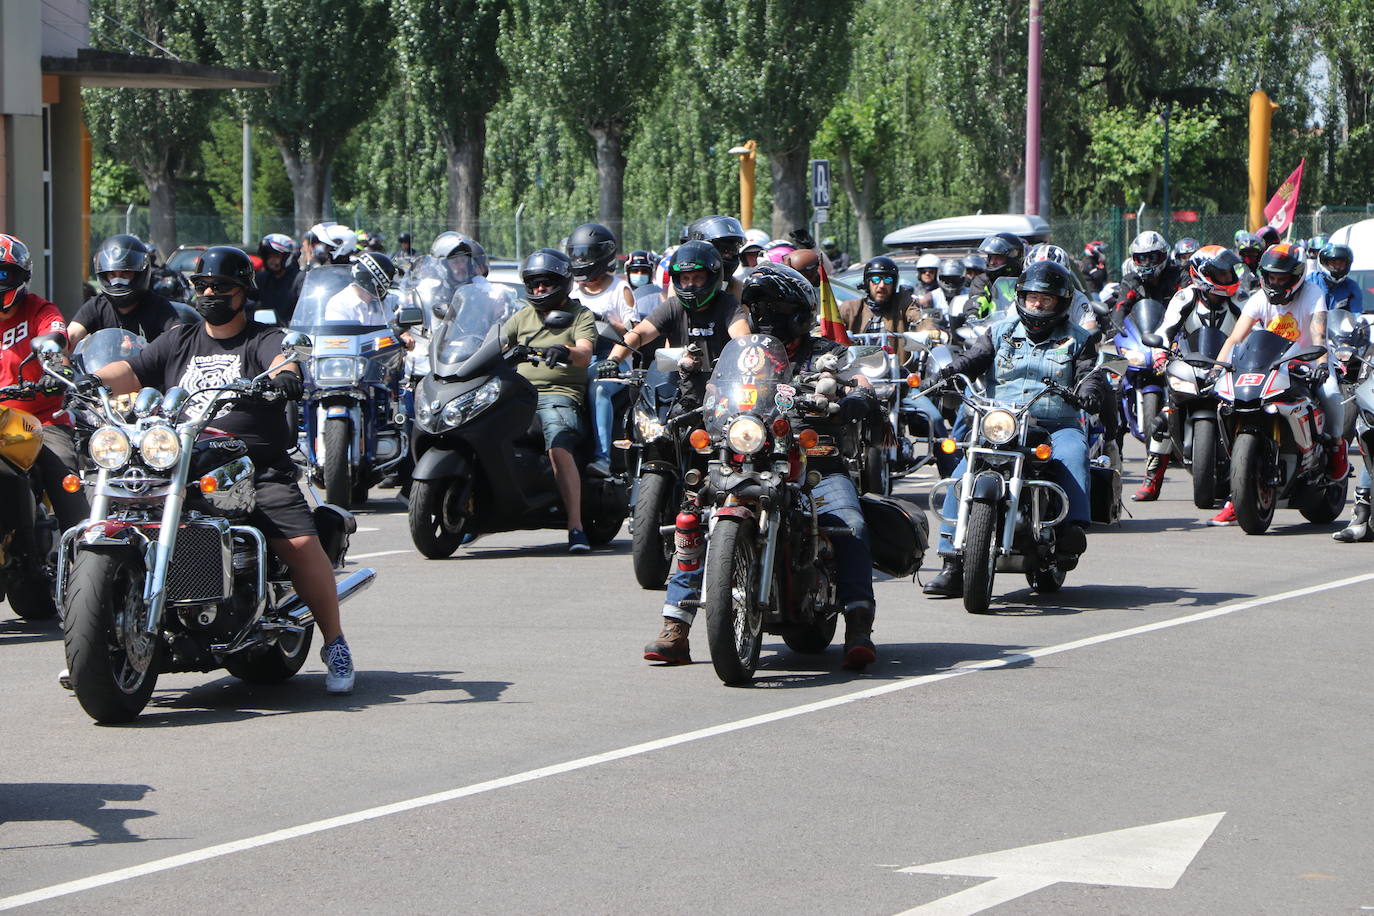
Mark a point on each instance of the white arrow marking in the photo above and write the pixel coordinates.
(1155, 855)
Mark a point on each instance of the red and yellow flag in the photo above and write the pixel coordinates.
(831, 325)
(1284, 204)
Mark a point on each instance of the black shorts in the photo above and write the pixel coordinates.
(282, 511)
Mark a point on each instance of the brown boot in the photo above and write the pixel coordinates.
(859, 652)
(671, 646)
(1155, 466)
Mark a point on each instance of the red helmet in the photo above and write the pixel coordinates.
(1095, 249)
(1215, 270)
(16, 269)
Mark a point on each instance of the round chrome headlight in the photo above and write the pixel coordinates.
(160, 448)
(109, 448)
(647, 424)
(746, 435)
(999, 426)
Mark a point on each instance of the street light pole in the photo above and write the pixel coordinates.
(1033, 112)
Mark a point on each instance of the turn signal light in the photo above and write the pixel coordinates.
(781, 427)
(913, 381)
(699, 439)
(808, 438)
(208, 484)
(949, 446)
(71, 483)
(1043, 451)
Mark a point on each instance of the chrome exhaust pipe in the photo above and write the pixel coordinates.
(299, 615)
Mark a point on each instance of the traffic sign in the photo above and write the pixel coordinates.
(820, 184)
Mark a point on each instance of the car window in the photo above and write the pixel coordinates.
(184, 259)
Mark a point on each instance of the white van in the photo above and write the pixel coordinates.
(1360, 237)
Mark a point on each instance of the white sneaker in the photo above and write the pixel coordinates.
(338, 664)
(65, 679)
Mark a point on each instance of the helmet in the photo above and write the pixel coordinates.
(725, 232)
(829, 246)
(1047, 252)
(1215, 270)
(319, 231)
(1315, 244)
(224, 262)
(778, 249)
(951, 277)
(807, 262)
(693, 256)
(780, 301)
(1268, 235)
(1095, 249)
(754, 239)
(1184, 249)
(122, 252)
(1249, 247)
(1006, 246)
(551, 265)
(1149, 254)
(1281, 273)
(16, 269)
(592, 248)
(338, 244)
(975, 262)
(1047, 277)
(1334, 251)
(465, 257)
(374, 273)
(640, 263)
(928, 261)
(881, 266)
(403, 238)
(275, 242)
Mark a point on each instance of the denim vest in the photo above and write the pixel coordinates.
(1020, 365)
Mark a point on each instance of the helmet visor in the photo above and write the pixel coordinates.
(1040, 305)
(1148, 259)
(12, 277)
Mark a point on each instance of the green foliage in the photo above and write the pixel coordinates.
(222, 170)
(114, 184)
(1127, 156)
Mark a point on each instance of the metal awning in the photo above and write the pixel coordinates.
(131, 71)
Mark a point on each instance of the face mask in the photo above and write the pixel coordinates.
(638, 280)
(216, 310)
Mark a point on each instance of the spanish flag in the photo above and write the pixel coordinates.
(831, 325)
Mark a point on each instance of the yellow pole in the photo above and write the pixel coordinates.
(1261, 117)
(746, 184)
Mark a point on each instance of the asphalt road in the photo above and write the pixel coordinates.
(536, 764)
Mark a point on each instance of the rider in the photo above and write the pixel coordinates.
(1183, 252)
(368, 299)
(927, 287)
(726, 233)
(1152, 275)
(807, 262)
(1093, 266)
(123, 270)
(1213, 298)
(277, 279)
(639, 273)
(227, 346)
(560, 376)
(752, 252)
(1334, 280)
(24, 316)
(1081, 312)
(838, 259)
(784, 305)
(953, 288)
(1014, 358)
(1250, 249)
(994, 290)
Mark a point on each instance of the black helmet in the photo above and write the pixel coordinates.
(1184, 249)
(1281, 272)
(122, 252)
(374, 272)
(403, 238)
(1006, 245)
(693, 256)
(1335, 251)
(1268, 235)
(1051, 278)
(724, 232)
(951, 277)
(881, 266)
(640, 260)
(592, 248)
(780, 301)
(550, 265)
(224, 262)
(1249, 247)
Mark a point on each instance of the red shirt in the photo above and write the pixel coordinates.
(33, 317)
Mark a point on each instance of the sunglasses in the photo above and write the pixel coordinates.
(886, 281)
(215, 288)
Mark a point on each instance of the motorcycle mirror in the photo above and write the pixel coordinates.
(666, 358)
(49, 344)
(409, 316)
(1152, 340)
(1100, 308)
(441, 310)
(1308, 353)
(557, 319)
(147, 402)
(265, 316)
(609, 331)
(296, 345)
(175, 398)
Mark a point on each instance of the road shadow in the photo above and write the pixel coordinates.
(81, 803)
(786, 669)
(1307, 529)
(228, 699)
(476, 551)
(1087, 597)
(1150, 525)
(17, 630)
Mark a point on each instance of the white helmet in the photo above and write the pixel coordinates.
(1149, 254)
(339, 241)
(928, 261)
(755, 238)
(1047, 252)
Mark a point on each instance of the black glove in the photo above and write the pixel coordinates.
(290, 384)
(1090, 402)
(556, 354)
(49, 385)
(607, 368)
(519, 353)
(801, 237)
(852, 408)
(1319, 376)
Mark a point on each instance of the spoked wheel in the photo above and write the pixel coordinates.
(1252, 496)
(338, 483)
(734, 621)
(436, 520)
(652, 552)
(980, 557)
(276, 663)
(877, 475)
(1205, 463)
(113, 664)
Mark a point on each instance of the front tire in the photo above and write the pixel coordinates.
(1205, 463)
(980, 557)
(431, 519)
(1251, 496)
(877, 476)
(734, 621)
(338, 483)
(652, 552)
(104, 604)
(278, 662)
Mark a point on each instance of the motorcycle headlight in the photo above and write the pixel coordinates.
(1183, 385)
(466, 406)
(335, 370)
(486, 396)
(453, 412)
(109, 448)
(746, 435)
(647, 424)
(1343, 354)
(160, 448)
(999, 426)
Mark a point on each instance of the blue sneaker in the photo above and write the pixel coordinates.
(577, 541)
(338, 664)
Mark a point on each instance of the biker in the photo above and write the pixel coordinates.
(1313, 249)
(726, 233)
(975, 265)
(1268, 236)
(1152, 275)
(1081, 312)
(1093, 266)
(226, 346)
(807, 262)
(1183, 252)
(24, 316)
(953, 288)
(1334, 280)
(994, 290)
(784, 305)
(639, 273)
(1250, 249)
(123, 270)
(405, 254)
(752, 252)
(838, 259)
(277, 280)
(1214, 274)
(1013, 358)
(927, 280)
(368, 299)
(560, 376)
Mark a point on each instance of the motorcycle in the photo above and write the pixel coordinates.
(769, 563)
(892, 457)
(1192, 415)
(165, 575)
(480, 464)
(354, 428)
(1348, 336)
(1270, 420)
(1142, 396)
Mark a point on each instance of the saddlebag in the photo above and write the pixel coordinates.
(334, 526)
(1105, 494)
(897, 532)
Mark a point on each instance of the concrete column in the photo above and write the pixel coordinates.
(68, 198)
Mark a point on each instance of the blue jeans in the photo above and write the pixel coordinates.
(837, 503)
(561, 418)
(603, 413)
(1068, 468)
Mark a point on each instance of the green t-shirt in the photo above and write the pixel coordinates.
(572, 380)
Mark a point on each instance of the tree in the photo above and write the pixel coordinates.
(596, 63)
(157, 132)
(320, 49)
(448, 57)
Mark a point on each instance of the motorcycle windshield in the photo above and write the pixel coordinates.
(330, 303)
(1204, 342)
(110, 345)
(477, 309)
(1343, 327)
(1147, 315)
(1259, 352)
(745, 380)
(427, 284)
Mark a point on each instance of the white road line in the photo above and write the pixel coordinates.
(582, 763)
(377, 553)
(361, 530)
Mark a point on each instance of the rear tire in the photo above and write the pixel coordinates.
(1205, 463)
(1149, 409)
(103, 589)
(277, 663)
(652, 552)
(1324, 505)
(338, 485)
(432, 536)
(980, 561)
(734, 621)
(877, 476)
(1252, 498)
(813, 638)
(30, 596)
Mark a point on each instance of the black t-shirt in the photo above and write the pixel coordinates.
(709, 327)
(150, 316)
(279, 293)
(187, 356)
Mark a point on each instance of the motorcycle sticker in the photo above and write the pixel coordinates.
(751, 360)
(748, 396)
(785, 397)
(1250, 378)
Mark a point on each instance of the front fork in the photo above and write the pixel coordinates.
(160, 552)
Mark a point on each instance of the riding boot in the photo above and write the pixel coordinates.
(1359, 528)
(949, 582)
(671, 645)
(859, 652)
(1155, 466)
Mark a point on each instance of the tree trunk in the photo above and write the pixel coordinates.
(465, 145)
(610, 173)
(789, 191)
(308, 176)
(162, 209)
(861, 201)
